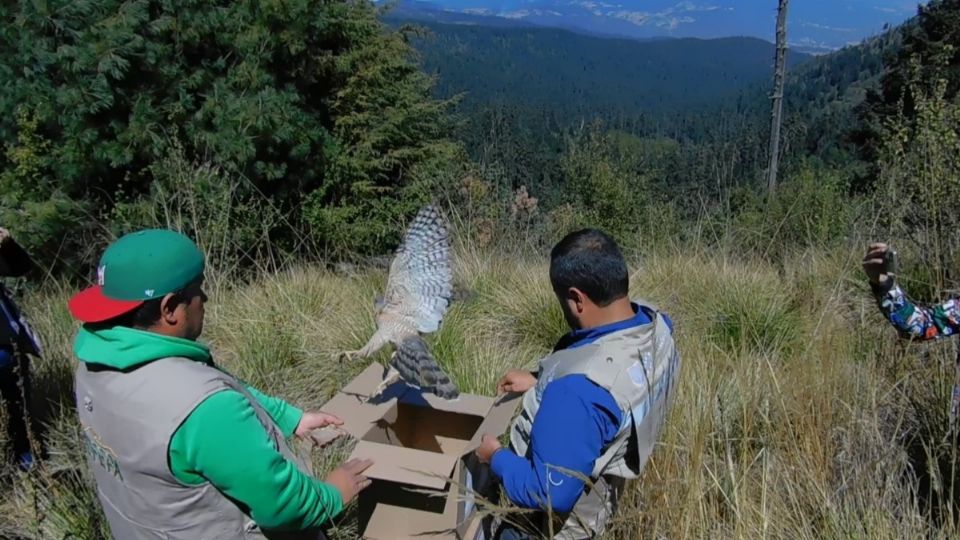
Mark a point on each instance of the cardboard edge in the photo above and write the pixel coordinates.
(406, 465)
(469, 404)
(358, 417)
(497, 420)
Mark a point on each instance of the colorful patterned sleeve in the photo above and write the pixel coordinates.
(918, 322)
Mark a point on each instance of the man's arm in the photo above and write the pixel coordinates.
(223, 442)
(575, 421)
(911, 320)
(284, 414)
(916, 321)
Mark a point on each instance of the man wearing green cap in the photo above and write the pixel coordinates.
(179, 448)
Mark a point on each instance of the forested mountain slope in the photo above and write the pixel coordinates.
(584, 75)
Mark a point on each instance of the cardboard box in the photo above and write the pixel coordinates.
(425, 474)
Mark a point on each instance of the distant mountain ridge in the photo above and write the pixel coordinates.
(814, 26)
(417, 10)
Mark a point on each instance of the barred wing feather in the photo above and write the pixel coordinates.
(420, 282)
(417, 366)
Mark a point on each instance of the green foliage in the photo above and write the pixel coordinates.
(813, 207)
(207, 203)
(389, 144)
(294, 99)
(45, 219)
(823, 98)
(930, 51)
(919, 177)
(602, 181)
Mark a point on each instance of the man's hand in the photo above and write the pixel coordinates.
(516, 380)
(348, 480)
(874, 265)
(5, 236)
(312, 420)
(488, 445)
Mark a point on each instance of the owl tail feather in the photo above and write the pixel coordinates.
(418, 367)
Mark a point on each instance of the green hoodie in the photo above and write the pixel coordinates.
(221, 441)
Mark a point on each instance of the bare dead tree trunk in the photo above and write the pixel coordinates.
(777, 97)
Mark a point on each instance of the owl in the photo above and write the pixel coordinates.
(418, 293)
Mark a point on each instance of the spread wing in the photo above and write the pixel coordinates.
(417, 367)
(420, 282)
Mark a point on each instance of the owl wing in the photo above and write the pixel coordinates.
(420, 281)
(417, 366)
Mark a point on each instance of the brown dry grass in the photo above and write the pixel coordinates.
(799, 413)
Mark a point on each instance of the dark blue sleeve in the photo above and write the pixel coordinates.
(6, 356)
(668, 320)
(575, 421)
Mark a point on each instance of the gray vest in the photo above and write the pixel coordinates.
(639, 367)
(128, 419)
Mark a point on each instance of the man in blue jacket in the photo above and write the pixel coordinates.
(596, 406)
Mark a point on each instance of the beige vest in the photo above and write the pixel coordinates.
(639, 366)
(128, 419)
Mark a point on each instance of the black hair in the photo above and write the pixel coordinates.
(145, 315)
(591, 261)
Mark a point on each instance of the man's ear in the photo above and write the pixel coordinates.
(576, 298)
(168, 309)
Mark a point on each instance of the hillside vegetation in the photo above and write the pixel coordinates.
(696, 111)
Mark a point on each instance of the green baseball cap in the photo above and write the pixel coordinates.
(139, 266)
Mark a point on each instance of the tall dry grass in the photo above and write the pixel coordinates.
(799, 414)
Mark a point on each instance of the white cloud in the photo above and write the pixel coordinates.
(638, 18)
(686, 6)
(515, 14)
(809, 43)
(825, 27)
(524, 13)
(593, 5)
(673, 22)
(669, 18)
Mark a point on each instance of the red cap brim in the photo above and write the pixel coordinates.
(91, 306)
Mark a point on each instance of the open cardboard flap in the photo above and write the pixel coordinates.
(406, 465)
(497, 419)
(358, 412)
(421, 448)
